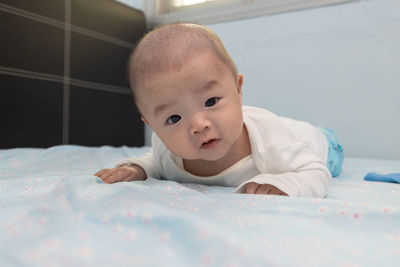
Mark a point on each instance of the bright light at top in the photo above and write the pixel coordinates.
(179, 3)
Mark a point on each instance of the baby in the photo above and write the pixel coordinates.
(188, 91)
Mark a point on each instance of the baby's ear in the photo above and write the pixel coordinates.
(239, 83)
(144, 120)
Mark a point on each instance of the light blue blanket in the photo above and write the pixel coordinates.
(54, 212)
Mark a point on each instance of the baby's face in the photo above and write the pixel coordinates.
(196, 111)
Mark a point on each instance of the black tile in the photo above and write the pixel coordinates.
(31, 45)
(98, 61)
(49, 8)
(108, 17)
(30, 112)
(103, 118)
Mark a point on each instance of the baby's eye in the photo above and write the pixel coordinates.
(173, 119)
(211, 102)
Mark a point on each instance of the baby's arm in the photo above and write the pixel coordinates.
(122, 174)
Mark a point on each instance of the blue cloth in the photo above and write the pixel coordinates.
(389, 178)
(335, 154)
(54, 212)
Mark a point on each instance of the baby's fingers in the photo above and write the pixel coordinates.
(268, 189)
(252, 187)
(277, 191)
(105, 173)
(118, 175)
(264, 189)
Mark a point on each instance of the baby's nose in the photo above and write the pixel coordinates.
(199, 124)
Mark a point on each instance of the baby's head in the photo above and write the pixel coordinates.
(188, 90)
(168, 47)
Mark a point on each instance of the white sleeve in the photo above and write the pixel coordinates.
(150, 162)
(298, 171)
(146, 162)
(289, 154)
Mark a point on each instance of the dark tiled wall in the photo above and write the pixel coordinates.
(88, 64)
(31, 45)
(65, 83)
(30, 112)
(115, 109)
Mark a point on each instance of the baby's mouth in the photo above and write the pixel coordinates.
(210, 143)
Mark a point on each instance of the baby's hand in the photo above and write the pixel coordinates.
(121, 174)
(266, 189)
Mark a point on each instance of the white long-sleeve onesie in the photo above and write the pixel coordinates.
(286, 153)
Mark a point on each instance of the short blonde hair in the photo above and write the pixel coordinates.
(168, 47)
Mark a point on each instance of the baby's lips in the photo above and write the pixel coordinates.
(210, 143)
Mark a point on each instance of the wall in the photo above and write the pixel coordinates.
(138, 4)
(336, 66)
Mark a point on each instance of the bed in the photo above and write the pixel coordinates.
(55, 212)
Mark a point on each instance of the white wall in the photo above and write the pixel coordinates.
(138, 4)
(336, 66)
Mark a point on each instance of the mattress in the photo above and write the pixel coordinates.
(55, 212)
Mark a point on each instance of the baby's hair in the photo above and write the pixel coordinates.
(168, 47)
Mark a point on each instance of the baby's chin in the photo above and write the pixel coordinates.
(208, 157)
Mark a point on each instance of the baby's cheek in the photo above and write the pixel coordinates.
(234, 126)
(181, 147)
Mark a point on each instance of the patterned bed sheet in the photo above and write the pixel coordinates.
(55, 212)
